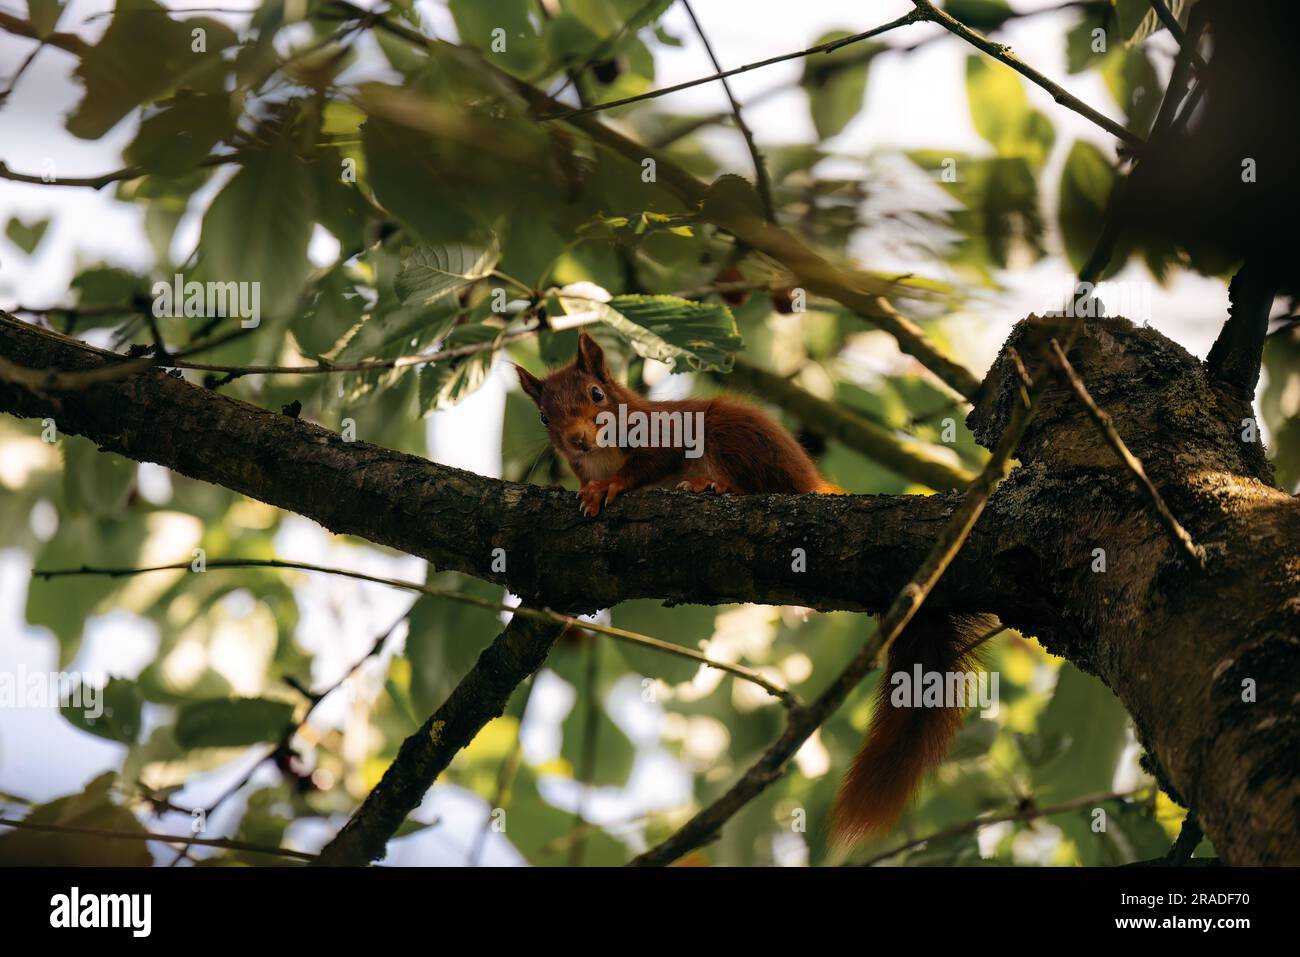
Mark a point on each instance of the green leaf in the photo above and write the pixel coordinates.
(93, 481)
(982, 15)
(335, 308)
(231, 722)
(142, 55)
(1085, 187)
(26, 236)
(667, 328)
(258, 227)
(1093, 722)
(1001, 113)
(62, 604)
(93, 808)
(1133, 82)
(179, 137)
(836, 82)
(403, 167)
(101, 286)
(118, 703)
(431, 272)
(502, 30)
(730, 197)
(445, 382)
(446, 638)
(1084, 46)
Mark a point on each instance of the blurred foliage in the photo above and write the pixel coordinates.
(457, 218)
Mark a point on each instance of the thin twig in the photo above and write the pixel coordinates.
(103, 179)
(786, 696)
(859, 293)
(803, 721)
(1181, 538)
(1002, 53)
(1189, 836)
(764, 184)
(914, 460)
(1025, 811)
(169, 838)
(828, 47)
(505, 778)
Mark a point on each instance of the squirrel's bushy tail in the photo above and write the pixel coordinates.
(904, 744)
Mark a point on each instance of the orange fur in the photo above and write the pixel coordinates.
(745, 451)
(905, 744)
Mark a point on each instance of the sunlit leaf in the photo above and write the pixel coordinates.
(431, 272)
(702, 336)
(144, 54)
(231, 722)
(257, 228)
(26, 236)
(445, 382)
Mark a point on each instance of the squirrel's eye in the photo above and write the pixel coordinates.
(545, 420)
(596, 394)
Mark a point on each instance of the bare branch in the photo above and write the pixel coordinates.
(221, 842)
(1025, 811)
(760, 168)
(1002, 53)
(481, 696)
(1181, 538)
(828, 47)
(545, 615)
(103, 179)
(1237, 353)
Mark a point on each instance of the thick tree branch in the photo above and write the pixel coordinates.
(514, 655)
(678, 546)
(1223, 637)
(802, 722)
(1236, 355)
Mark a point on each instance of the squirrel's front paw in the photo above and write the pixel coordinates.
(597, 493)
(704, 485)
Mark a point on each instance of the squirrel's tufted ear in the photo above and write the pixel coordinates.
(591, 358)
(530, 383)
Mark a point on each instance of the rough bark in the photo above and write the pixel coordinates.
(1175, 643)
(859, 549)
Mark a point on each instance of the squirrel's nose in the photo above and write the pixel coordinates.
(579, 442)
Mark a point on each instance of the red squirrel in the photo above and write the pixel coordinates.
(744, 451)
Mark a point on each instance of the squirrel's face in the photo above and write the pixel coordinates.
(570, 399)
